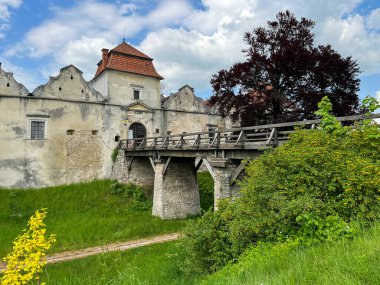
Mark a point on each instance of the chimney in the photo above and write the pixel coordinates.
(104, 57)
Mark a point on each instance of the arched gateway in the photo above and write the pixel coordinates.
(136, 130)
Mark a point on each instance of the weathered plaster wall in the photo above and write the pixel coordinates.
(25, 162)
(121, 85)
(101, 84)
(82, 127)
(184, 112)
(9, 86)
(69, 85)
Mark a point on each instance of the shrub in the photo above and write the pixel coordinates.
(309, 189)
(25, 262)
(114, 154)
(206, 190)
(133, 193)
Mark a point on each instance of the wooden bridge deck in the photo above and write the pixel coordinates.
(248, 138)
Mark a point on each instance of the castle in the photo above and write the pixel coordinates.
(66, 130)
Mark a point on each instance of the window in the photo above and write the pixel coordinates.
(117, 138)
(94, 132)
(136, 94)
(37, 126)
(37, 130)
(70, 132)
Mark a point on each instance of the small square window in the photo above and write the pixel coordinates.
(37, 130)
(136, 94)
(157, 131)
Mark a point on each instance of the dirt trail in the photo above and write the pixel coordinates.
(119, 246)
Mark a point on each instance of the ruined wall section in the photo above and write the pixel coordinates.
(184, 112)
(84, 131)
(9, 86)
(69, 85)
(85, 156)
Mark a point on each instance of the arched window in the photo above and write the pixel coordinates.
(137, 130)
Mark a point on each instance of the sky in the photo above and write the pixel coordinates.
(189, 40)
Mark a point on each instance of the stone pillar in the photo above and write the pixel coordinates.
(137, 170)
(224, 172)
(176, 193)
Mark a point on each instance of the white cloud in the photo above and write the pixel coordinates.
(189, 45)
(374, 19)
(4, 8)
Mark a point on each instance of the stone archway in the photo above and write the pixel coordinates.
(136, 131)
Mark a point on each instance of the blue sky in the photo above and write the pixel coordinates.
(189, 39)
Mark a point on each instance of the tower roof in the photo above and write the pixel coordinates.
(126, 58)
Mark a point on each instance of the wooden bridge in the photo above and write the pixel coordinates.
(169, 163)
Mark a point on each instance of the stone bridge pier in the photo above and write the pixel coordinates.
(176, 192)
(225, 172)
(174, 179)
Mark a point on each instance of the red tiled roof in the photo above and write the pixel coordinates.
(126, 58)
(128, 49)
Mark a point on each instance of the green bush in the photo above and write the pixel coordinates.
(309, 190)
(133, 193)
(206, 190)
(114, 154)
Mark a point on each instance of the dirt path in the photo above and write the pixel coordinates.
(119, 246)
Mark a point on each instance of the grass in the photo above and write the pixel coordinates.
(81, 215)
(154, 264)
(345, 262)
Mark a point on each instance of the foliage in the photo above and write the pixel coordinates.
(347, 261)
(206, 190)
(285, 76)
(328, 121)
(26, 260)
(114, 154)
(136, 198)
(308, 190)
(314, 230)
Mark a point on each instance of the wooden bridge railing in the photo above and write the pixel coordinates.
(253, 137)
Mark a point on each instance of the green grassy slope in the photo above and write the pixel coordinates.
(345, 262)
(154, 264)
(81, 215)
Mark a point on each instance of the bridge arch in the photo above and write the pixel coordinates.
(136, 130)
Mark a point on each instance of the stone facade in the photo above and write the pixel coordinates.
(66, 130)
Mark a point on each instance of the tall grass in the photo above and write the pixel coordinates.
(154, 264)
(345, 262)
(81, 215)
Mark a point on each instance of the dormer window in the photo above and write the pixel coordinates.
(136, 94)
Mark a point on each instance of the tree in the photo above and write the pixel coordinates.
(285, 76)
(310, 190)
